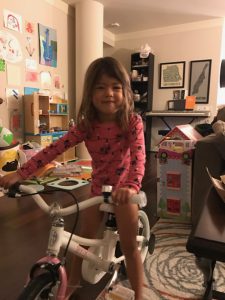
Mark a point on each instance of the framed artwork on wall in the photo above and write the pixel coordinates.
(171, 75)
(47, 46)
(199, 81)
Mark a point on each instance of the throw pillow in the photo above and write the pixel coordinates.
(219, 127)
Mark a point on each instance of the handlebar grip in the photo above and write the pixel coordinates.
(140, 199)
(14, 190)
(31, 188)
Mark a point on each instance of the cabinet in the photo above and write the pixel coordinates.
(46, 120)
(142, 75)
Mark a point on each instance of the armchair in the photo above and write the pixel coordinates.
(209, 152)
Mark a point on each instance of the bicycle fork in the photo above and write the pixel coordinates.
(51, 263)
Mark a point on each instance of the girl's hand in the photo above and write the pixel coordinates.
(10, 179)
(123, 195)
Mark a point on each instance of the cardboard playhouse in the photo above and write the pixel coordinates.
(174, 172)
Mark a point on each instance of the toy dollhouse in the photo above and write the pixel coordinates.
(174, 172)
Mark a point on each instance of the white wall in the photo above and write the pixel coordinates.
(221, 92)
(51, 13)
(194, 41)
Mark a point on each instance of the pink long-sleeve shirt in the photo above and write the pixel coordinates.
(118, 158)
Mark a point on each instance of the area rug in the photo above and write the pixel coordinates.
(171, 271)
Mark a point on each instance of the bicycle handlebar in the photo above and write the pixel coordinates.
(139, 199)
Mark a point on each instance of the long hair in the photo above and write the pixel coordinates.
(111, 67)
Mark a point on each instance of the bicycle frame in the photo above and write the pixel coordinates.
(104, 265)
(101, 262)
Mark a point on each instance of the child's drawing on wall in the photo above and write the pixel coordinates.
(12, 20)
(10, 49)
(46, 80)
(29, 27)
(57, 80)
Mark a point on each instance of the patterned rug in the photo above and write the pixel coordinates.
(171, 272)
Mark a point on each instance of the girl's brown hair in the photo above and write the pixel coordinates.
(113, 68)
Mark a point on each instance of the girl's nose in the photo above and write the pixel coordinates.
(109, 91)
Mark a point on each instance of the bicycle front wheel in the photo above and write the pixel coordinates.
(39, 288)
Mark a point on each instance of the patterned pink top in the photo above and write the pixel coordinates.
(118, 158)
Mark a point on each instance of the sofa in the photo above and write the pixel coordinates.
(210, 153)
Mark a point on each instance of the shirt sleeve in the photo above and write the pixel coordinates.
(48, 154)
(137, 152)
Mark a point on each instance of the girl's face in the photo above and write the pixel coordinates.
(107, 98)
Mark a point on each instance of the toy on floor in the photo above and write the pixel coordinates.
(11, 157)
(79, 169)
(117, 292)
(6, 137)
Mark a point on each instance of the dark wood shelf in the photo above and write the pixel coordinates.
(144, 68)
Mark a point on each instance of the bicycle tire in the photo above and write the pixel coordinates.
(39, 288)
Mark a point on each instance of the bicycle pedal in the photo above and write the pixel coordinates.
(151, 244)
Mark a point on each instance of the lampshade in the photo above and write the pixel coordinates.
(222, 74)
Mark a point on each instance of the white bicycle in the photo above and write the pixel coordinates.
(48, 278)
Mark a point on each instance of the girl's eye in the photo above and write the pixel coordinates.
(117, 87)
(99, 87)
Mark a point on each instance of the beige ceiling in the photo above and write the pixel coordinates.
(136, 15)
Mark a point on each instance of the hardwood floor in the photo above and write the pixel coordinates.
(24, 235)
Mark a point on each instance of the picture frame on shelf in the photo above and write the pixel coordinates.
(171, 75)
(199, 80)
(176, 95)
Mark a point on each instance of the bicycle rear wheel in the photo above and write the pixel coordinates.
(39, 288)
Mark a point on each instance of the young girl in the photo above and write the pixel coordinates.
(113, 135)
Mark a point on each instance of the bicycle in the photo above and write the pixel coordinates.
(47, 278)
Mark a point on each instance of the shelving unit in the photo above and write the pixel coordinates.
(142, 75)
(46, 120)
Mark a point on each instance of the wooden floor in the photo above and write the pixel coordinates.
(24, 235)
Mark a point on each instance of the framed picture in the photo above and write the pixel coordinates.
(176, 95)
(47, 46)
(171, 75)
(199, 81)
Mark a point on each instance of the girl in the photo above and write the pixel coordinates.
(113, 135)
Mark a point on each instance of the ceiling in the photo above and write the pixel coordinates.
(138, 15)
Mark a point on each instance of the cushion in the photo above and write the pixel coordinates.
(221, 114)
(219, 127)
